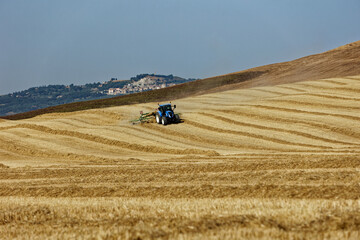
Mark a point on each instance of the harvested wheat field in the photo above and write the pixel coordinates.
(266, 162)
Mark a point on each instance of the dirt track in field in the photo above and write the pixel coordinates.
(279, 161)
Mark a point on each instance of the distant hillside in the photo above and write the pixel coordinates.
(52, 95)
(339, 62)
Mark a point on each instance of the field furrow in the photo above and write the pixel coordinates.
(277, 162)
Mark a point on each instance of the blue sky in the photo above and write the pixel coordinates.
(46, 42)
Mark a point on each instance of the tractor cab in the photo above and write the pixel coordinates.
(165, 108)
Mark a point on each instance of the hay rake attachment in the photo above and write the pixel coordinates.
(144, 118)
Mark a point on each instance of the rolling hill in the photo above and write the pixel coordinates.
(277, 156)
(280, 162)
(339, 62)
(47, 96)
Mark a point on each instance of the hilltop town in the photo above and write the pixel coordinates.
(147, 83)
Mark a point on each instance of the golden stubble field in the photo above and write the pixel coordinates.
(266, 162)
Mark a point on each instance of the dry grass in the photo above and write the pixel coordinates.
(269, 162)
(177, 218)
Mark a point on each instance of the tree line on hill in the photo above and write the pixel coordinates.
(51, 95)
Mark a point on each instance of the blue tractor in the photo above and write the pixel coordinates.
(165, 114)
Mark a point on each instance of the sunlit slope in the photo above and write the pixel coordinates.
(277, 162)
(339, 62)
(317, 117)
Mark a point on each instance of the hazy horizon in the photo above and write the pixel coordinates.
(78, 42)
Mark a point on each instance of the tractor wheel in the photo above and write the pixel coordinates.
(158, 118)
(177, 118)
(164, 121)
